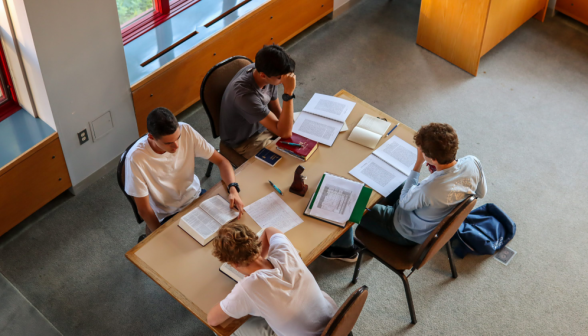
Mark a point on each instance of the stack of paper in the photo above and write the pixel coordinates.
(322, 118)
(369, 131)
(387, 167)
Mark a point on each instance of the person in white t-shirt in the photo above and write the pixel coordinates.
(278, 289)
(159, 169)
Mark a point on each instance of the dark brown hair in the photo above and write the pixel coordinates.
(438, 142)
(236, 244)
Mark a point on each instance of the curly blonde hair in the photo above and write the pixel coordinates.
(438, 142)
(236, 244)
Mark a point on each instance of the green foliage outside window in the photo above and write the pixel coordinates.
(129, 9)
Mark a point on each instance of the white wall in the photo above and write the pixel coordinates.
(81, 60)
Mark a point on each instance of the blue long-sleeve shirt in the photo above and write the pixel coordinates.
(422, 206)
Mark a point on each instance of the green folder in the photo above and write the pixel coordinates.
(360, 205)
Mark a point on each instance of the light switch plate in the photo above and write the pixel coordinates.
(102, 126)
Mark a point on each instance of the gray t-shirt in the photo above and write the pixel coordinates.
(243, 106)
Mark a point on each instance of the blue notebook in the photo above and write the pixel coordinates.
(268, 157)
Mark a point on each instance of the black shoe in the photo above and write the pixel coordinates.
(347, 254)
(141, 237)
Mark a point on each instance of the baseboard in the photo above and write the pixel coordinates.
(345, 7)
(95, 176)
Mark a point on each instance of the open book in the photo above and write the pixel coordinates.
(369, 131)
(203, 222)
(388, 166)
(323, 118)
(338, 200)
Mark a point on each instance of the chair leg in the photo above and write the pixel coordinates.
(357, 266)
(408, 298)
(450, 255)
(209, 169)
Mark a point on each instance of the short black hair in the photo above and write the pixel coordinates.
(161, 122)
(272, 60)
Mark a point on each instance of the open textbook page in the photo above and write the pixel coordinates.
(369, 131)
(272, 211)
(329, 107)
(398, 153)
(218, 208)
(378, 174)
(200, 225)
(319, 129)
(345, 128)
(336, 199)
(231, 272)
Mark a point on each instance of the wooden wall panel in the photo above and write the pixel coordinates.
(506, 16)
(32, 183)
(454, 29)
(177, 86)
(577, 9)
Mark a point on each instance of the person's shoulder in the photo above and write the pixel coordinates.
(469, 161)
(139, 151)
(279, 238)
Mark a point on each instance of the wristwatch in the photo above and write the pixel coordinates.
(286, 97)
(234, 184)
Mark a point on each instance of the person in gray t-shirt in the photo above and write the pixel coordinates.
(250, 112)
(414, 210)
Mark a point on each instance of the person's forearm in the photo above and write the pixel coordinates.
(150, 219)
(417, 166)
(264, 245)
(227, 172)
(286, 119)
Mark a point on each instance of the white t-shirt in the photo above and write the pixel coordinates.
(287, 296)
(167, 178)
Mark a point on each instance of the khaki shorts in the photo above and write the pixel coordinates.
(251, 146)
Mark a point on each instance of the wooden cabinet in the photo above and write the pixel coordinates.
(177, 85)
(577, 9)
(462, 31)
(31, 181)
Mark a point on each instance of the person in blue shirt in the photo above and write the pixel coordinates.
(411, 212)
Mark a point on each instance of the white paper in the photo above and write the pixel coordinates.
(398, 153)
(272, 211)
(345, 128)
(374, 124)
(378, 175)
(201, 222)
(232, 272)
(364, 137)
(329, 107)
(336, 199)
(218, 208)
(317, 128)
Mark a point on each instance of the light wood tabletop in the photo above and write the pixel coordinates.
(189, 272)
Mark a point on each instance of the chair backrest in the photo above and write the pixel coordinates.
(444, 231)
(120, 177)
(213, 87)
(342, 323)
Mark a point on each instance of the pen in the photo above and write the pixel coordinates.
(392, 129)
(368, 209)
(277, 189)
(291, 144)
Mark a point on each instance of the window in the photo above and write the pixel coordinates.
(8, 103)
(137, 17)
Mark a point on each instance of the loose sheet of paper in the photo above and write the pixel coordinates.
(272, 211)
(329, 107)
(201, 222)
(317, 128)
(336, 199)
(218, 208)
(345, 128)
(398, 153)
(378, 175)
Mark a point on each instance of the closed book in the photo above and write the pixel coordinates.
(304, 152)
(268, 156)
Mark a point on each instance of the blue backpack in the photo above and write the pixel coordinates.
(486, 230)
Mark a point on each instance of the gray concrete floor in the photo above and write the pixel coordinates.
(524, 116)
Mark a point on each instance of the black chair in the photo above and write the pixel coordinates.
(211, 93)
(401, 258)
(343, 321)
(120, 176)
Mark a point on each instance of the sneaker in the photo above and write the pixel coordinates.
(347, 254)
(141, 237)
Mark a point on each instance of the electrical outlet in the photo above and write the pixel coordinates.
(83, 137)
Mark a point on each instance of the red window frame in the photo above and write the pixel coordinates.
(162, 11)
(9, 104)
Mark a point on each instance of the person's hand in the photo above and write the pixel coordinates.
(289, 83)
(236, 202)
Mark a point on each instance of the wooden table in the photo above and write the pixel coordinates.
(189, 272)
